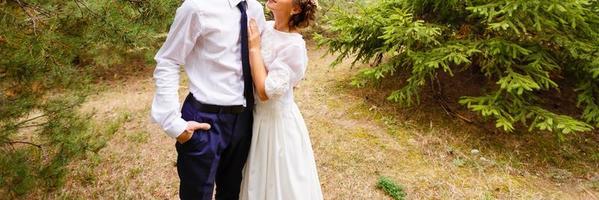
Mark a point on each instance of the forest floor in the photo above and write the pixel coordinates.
(357, 137)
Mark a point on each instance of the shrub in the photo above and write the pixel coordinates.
(526, 49)
(51, 51)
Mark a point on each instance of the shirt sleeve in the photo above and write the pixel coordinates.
(180, 41)
(286, 70)
(261, 19)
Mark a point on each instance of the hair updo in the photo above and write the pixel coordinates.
(307, 14)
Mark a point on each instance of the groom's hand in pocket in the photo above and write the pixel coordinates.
(192, 126)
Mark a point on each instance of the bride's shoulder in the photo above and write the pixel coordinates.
(270, 23)
(293, 47)
(298, 41)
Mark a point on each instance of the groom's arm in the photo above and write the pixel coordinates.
(180, 41)
(258, 15)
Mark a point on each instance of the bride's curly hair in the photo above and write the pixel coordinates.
(306, 16)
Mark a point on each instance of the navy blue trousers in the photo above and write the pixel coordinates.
(213, 156)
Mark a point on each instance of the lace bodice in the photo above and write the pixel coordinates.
(286, 60)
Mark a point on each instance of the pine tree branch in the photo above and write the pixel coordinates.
(38, 9)
(24, 142)
(32, 18)
(377, 60)
(102, 19)
(79, 4)
(21, 123)
(34, 125)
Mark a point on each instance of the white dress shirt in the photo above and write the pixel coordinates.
(205, 38)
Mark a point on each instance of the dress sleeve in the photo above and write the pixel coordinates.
(180, 41)
(286, 70)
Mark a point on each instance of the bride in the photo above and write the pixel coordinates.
(281, 163)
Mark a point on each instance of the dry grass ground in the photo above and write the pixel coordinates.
(357, 137)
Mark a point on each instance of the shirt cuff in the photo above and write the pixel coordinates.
(176, 128)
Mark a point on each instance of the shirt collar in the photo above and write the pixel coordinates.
(233, 3)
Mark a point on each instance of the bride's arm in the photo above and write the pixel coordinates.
(257, 64)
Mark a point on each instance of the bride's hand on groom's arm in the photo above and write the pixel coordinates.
(256, 63)
(192, 126)
(254, 36)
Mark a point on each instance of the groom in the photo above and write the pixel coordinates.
(214, 127)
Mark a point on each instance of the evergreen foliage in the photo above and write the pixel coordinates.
(51, 50)
(526, 48)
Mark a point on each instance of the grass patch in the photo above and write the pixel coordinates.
(115, 125)
(108, 130)
(134, 172)
(392, 189)
(139, 137)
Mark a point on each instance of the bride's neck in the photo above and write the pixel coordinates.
(282, 24)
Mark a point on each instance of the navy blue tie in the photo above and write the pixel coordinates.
(248, 87)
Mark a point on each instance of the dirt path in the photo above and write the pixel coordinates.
(354, 144)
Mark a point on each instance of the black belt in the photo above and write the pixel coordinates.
(214, 108)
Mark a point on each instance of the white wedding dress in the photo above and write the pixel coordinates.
(281, 163)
